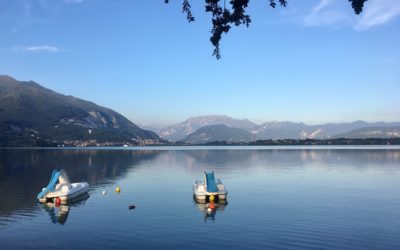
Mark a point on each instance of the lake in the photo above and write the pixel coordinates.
(279, 198)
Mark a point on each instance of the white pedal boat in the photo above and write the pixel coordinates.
(60, 187)
(203, 190)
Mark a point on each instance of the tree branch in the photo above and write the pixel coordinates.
(235, 13)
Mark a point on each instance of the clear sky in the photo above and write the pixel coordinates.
(314, 61)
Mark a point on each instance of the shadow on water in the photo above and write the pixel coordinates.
(24, 172)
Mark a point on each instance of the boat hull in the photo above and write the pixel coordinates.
(206, 197)
(75, 194)
(222, 196)
(76, 190)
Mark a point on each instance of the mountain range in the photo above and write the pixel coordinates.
(219, 132)
(33, 115)
(179, 131)
(204, 129)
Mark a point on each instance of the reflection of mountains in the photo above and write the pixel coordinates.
(277, 158)
(24, 172)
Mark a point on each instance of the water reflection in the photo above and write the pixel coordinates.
(209, 209)
(28, 170)
(62, 212)
(300, 198)
(227, 160)
(59, 212)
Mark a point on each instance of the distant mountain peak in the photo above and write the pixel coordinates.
(218, 132)
(359, 122)
(7, 78)
(209, 118)
(179, 131)
(268, 130)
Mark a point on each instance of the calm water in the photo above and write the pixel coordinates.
(279, 197)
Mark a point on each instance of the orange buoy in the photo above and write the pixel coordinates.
(212, 205)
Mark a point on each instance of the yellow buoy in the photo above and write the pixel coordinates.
(211, 197)
(117, 189)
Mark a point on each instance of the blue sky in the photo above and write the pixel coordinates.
(313, 62)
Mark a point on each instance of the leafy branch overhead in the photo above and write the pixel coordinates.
(234, 13)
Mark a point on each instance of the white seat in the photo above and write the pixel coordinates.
(201, 188)
(65, 188)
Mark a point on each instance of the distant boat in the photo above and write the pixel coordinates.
(209, 189)
(60, 187)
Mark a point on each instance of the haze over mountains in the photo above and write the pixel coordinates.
(204, 129)
(33, 115)
(219, 132)
(181, 130)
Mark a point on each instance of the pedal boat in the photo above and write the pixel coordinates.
(60, 187)
(202, 191)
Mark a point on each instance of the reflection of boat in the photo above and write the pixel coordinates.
(210, 209)
(210, 188)
(62, 213)
(59, 212)
(60, 187)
